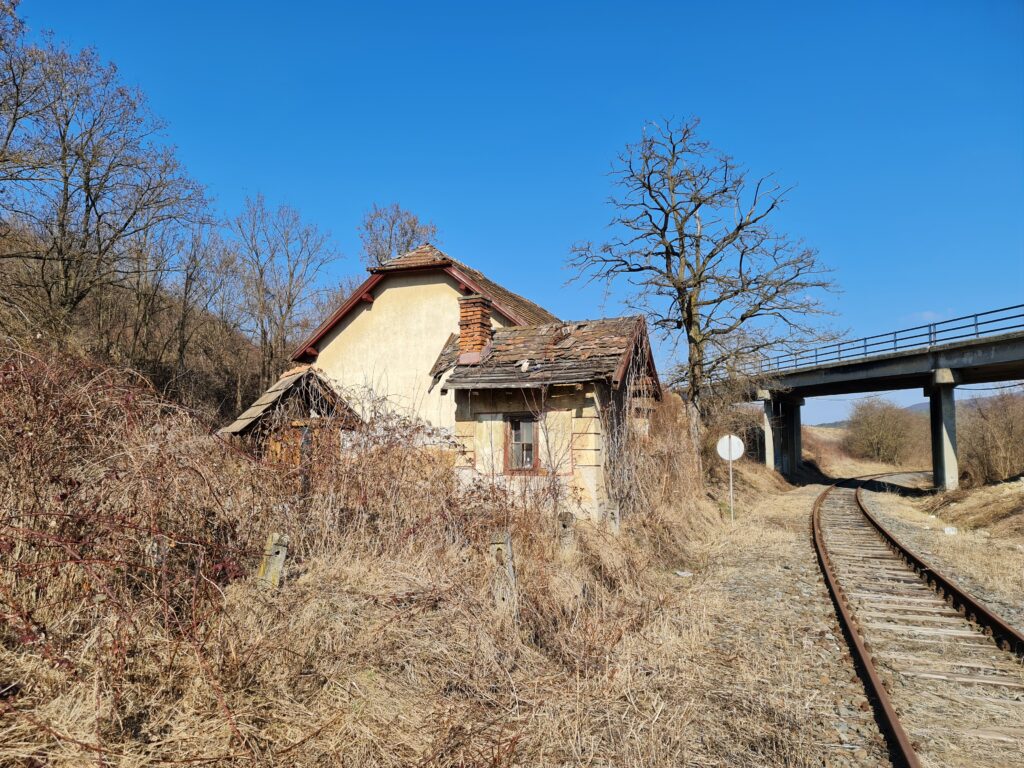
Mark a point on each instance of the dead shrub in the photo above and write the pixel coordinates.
(133, 633)
(879, 430)
(990, 438)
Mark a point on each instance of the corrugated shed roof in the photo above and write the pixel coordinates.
(553, 353)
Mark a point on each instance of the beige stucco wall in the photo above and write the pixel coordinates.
(389, 346)
(569, 439)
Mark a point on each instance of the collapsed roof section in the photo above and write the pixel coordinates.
(610, 349)
(302, 381)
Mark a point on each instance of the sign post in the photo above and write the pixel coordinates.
(730, 448)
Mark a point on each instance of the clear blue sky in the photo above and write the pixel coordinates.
(901, 123)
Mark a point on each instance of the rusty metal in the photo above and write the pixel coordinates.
(1006, 636)
(886, 713)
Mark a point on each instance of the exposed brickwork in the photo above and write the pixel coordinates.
(474, 323)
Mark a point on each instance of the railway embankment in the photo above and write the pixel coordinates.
(945, 692)
(976, 536)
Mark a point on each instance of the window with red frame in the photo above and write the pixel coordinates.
(521, 454)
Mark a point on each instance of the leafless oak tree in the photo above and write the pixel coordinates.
(694, 242)
(281, 258)
(389, 231)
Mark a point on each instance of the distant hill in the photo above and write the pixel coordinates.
(962, 402)
(917, 408)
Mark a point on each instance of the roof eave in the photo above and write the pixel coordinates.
(308, 349)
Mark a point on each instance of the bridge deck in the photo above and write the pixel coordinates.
(972, 361)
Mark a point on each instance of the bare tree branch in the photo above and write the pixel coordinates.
(693, 241)
(389, 231)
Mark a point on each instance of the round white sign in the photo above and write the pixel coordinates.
(730, 448)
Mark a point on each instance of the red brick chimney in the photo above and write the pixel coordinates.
(474, 327)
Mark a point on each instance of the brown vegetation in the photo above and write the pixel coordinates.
(133, 632)
(879, 430)
(990, 439)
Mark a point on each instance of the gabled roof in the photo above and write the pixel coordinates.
(556, 353)
(429, 257)
(515, 308)
(303, 375)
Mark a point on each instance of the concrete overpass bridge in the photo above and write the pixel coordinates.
(982, 348)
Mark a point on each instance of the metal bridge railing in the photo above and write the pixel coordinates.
(980, 325)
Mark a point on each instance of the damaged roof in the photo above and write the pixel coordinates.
(554, 353)
(514, 307)
(427, 256)
(269, 400)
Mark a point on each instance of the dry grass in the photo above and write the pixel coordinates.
(998, 509)
(824, 446)
(987, 552)
(384, 646)
(133, 633)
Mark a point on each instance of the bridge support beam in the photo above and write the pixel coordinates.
(942, 412)
(792, 443)
(783, 447)
(771, 438)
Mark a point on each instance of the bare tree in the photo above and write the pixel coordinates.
(22, 97)
(88, 181)
(280, 258)
(330, 299)
(694, 243)
(389, 231)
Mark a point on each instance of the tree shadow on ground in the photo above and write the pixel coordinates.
(810, 473)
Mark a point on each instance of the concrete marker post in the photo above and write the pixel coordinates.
(272, 565)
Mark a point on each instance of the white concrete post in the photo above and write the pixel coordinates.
(770, 438)
(942, 412)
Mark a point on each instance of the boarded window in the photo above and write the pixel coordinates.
(522, 447)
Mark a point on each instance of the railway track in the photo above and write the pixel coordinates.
(944, 673)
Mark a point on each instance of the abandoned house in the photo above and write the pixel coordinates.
(529, 398)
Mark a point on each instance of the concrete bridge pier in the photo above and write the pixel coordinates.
(783, 447)
(942, 412)
(770, 425)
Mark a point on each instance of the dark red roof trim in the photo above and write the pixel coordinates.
(306, 352)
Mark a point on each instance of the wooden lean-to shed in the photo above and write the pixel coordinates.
(300, 410)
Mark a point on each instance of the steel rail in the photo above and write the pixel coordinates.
(885, 711)
(1006, 636)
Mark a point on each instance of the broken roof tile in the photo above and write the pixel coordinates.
(552, 353)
